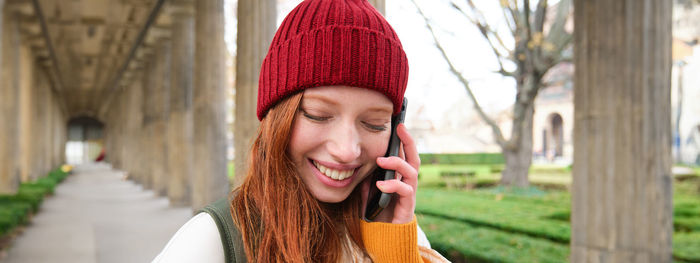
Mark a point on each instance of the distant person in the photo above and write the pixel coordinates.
(334, 76)
(100, 157)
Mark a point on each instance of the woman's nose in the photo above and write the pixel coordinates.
(344, 144)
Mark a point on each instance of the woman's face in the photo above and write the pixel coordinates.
(337, 135)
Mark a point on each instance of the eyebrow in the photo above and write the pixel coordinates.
(378, 109)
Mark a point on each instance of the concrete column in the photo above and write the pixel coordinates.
(380, 5)
(256, 27)
(124, 130)
(50, 113)
(9, 96)
(43, 153)
(108, 133)
(55, 131)
(161, 102)
(110, 139)
(180, 124)
(116, 117)
(58, 133)
(63, 136)
(123, 117)
(135, 129)
(117, 135)
(621, 194)
(210, 181)
(146, 159)
(121, 145)
(27, 98)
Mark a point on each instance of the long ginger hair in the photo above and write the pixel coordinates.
(279, 219)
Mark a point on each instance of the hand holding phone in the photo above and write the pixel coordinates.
(377, 200)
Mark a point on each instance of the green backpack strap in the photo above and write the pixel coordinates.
(230, 236)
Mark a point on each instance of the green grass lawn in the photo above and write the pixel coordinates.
(462, 242)
(497, 225)
(231, 169)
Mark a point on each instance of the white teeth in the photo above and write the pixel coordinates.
(332, 173)
(335, 174)
(347, 173)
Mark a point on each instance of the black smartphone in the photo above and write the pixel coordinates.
(378, 200)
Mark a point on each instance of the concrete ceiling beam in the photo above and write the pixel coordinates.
(109, 90)
(22, 7)
(58, 81)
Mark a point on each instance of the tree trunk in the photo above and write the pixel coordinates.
(519, 158)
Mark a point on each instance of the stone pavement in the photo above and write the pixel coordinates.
(97, 216)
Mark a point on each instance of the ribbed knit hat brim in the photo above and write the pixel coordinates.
(333, 42)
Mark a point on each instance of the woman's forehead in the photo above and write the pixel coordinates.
(347, 94)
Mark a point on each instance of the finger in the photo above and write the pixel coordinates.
(409, 146)
(404, 206)
(397, 187)
(406, 172)
(402, 155)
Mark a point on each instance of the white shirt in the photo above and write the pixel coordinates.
(198, 240)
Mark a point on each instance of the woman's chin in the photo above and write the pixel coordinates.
(330, 197)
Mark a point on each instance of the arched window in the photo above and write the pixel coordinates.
(553, 137)
(557, 125)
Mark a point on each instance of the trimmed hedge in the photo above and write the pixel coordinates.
(12, 214)
(463, 242)
(15, 209)
(686, 224)
(511, 215)
(462, 158)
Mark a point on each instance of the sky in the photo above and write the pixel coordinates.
(433, 91)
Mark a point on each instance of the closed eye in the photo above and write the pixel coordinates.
(375, 127)
(314, 117)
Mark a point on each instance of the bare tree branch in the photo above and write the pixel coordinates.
(534, 54)
(557, 36)
(510, 21)
(537, 42)
(540, 15)
(526, 14)
(488, 34)
(506, 73)
(515, 13)
(484, 27)
(496, 130)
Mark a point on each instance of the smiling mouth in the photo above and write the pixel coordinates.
(334, 174)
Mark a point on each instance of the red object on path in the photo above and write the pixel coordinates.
(101, 156)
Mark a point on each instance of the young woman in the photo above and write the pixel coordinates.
(333, 77)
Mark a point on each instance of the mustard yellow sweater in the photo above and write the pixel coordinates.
(388, 243)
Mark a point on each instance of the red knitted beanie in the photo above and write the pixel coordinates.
(333, 42)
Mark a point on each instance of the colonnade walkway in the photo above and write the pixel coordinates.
(95, 215)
